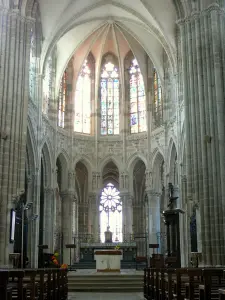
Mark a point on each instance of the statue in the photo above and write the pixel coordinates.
(108, 235)
(172, 200)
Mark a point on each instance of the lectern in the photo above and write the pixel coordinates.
(172, 222)
(70, 246)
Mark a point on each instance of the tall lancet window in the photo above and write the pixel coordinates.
(137, 99)
(62, 101)
(157, 99)
(82, 103)
(47, 86)
(109, 99)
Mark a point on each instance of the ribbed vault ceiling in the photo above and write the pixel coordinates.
(67, 24)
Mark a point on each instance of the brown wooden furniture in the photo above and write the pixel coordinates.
(33, 284)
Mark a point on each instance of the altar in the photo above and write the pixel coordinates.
(108, 260)
(128, 250)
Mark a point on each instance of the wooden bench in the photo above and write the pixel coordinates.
(184, 284)
(34, 284)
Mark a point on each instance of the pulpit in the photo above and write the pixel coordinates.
(108, 260)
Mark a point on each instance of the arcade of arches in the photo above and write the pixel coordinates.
(103, 104)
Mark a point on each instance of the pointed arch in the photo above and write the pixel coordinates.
(107, 159)
(83, 96)
(110, 94)
(62, 164)
(158, 172)
(137, 98)
(110, 174)
(133, 159)
(47, 165)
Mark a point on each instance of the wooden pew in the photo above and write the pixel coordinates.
(34, 284)
(5, 291)
(212, 281)
(16, 284)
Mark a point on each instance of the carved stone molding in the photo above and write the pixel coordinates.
(153, 193)
(49, 191)
(68, 195)
(96, 177)
(149, 179)
(124, 180)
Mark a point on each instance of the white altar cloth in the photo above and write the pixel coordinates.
(108, 260)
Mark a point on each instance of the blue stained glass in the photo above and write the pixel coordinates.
(133, 119)
(137, 99)
(110, 99)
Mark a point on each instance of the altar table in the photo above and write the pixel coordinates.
(108, 260)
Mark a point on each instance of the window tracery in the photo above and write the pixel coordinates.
(110, 209)
(109, 99)
(137, 99)
(82, 103)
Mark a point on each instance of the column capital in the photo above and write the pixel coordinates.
(152, 193)
(68, 195)
(49, 191)
(184, 178)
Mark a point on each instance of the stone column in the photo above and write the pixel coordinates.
(153, 216)
(68, 198)
(203, 57)
(127, 210)
(93, 216)
(15, 32)
(48, 236)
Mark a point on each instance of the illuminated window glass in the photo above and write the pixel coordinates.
(62, 101)
(157, 98)
(137, 99)
(110, 209)
(82, 104)
(109, 100)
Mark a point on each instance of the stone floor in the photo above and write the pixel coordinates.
(105, 296)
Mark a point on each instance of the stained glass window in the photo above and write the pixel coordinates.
(137, 99)
(110, 209)
(47, 86)
(157, 98)
(109, 100)
(82, 121)
(62, 101)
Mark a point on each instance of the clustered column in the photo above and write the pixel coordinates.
(153, 216)
(127, 210)
(15, 32)
(67, 224)
(203, 57)
(48, 238)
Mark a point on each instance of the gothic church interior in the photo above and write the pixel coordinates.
(103, 104)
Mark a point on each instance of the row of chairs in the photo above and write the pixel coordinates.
(33, 284)
(184, 284)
